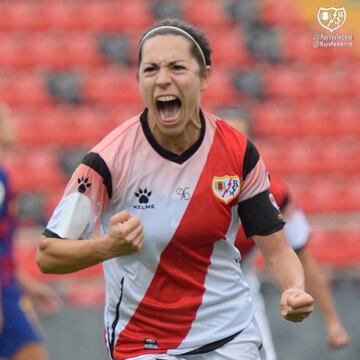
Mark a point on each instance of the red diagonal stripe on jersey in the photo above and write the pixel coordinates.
(175, 293)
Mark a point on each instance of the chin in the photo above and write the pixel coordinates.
(171, 131)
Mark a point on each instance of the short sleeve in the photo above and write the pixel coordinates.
(257, 208)
(86, 196)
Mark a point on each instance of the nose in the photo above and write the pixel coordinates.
(163, 77)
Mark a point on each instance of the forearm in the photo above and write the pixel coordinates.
(61, 256)
(281, 260)
(318, 286)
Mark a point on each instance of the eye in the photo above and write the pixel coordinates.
(149, 69)
(178, 67)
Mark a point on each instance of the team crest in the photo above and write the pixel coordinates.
(226, 188)
(331, 18)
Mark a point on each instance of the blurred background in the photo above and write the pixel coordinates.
(67, 71)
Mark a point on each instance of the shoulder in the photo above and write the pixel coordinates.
(119, 135)
(116, 143)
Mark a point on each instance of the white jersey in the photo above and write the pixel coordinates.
(184, 289)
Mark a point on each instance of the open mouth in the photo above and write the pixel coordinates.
(168, 107)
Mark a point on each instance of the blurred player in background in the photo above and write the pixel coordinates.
(298, 233)
(20, 338)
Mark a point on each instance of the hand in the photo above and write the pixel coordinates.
(43, 297)
(296, 304)
(125, 235)
(337, 336)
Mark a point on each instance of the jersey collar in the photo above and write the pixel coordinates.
(178, 158)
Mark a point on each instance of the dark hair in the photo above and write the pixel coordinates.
(193, 31)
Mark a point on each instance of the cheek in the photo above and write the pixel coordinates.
(144, 91)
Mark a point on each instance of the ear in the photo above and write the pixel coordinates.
(205, 77)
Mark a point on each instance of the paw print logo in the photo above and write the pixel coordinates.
(83, 184)
(143, 195)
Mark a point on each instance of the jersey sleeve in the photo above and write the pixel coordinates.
(297, 229)
(87, 194)
(257, 208)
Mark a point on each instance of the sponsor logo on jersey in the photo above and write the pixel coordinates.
(143, 197)
(184, 193)
(331, 18)
(226, 188)
(150, 344)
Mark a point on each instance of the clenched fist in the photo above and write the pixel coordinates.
(296, 304)
(125, 235)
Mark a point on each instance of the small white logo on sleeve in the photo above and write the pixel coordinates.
(273, 201)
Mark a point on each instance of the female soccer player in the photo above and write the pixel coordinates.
(169, 186)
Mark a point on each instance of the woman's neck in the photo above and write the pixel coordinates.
(178, 143)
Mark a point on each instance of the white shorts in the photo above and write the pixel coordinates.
(245, 346)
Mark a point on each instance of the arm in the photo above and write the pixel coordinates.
(319, 288)
(286, 269)
(43, 296)
(62, 256)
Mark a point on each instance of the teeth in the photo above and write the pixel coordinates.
(166, 98)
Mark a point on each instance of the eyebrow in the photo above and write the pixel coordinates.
(173, 62)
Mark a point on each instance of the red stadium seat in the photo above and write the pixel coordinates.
(354, 78)
(315, 118)
(132, 16)
(207, 14)
(11, 51)
(61, 50)
(96, 15)
(320, 194)
(36, 171)
(60, 15)
(112, 87)
(274, 13)
(309, 156)
(339, 248)
(220, 92)
(19, 15)
(275, 119)
(296, 45)
(346, 117)
(329, 82)
(24, 89)
(229, 49)
(111, 16)
(285, 82)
